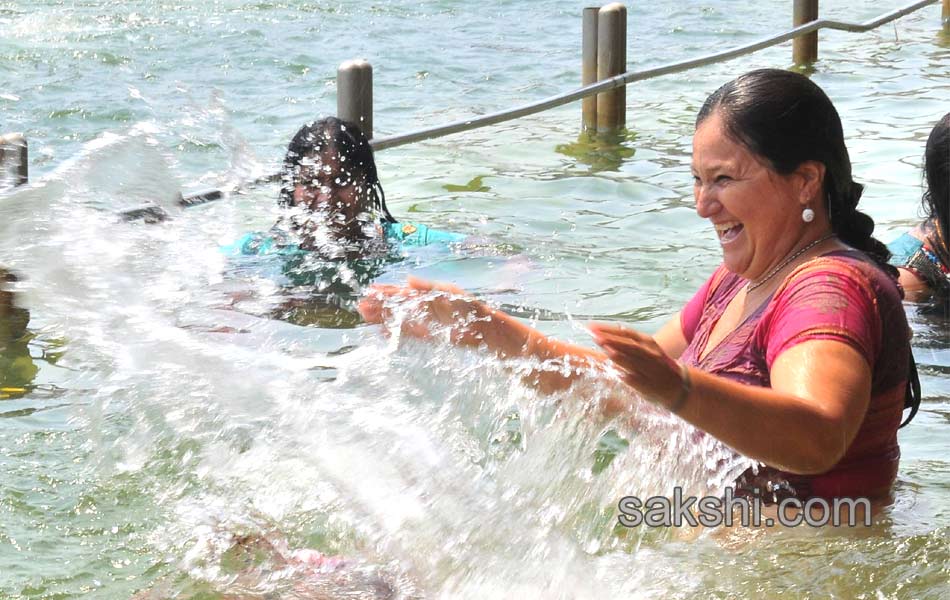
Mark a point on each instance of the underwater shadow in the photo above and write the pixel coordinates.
(601, 151)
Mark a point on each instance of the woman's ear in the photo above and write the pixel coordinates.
(811, 177)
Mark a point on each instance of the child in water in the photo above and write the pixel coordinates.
(257, 566)
(338, 207)
(337, 235)
(923, 254)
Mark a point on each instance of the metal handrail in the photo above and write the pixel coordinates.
(633, 76)
(601, 86)
(604, 85)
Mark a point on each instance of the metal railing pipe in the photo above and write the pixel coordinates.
(634, 76)
(591, 90)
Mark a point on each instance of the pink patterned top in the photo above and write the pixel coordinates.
(842, 296)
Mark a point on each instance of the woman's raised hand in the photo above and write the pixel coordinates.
(642, 363)
(430, 307)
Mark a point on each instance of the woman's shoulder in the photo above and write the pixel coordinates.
(844, 281)
(843, 296)
(848, 268)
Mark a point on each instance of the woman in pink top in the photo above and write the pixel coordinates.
(796, 351)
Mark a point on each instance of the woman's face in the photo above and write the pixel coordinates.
(756, 212)
(325, 184)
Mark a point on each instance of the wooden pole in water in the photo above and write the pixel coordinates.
(805, 47)
(945, 14)
(589, 66)
(13, 147)
(611, 61)
(354, 94)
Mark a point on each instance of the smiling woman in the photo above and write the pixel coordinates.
(795, 352)
(754, 208)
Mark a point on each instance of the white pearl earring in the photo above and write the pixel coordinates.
(808, 215)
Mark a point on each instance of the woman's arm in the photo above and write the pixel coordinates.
(473, 323)
(803, 424)
(670, 338)
(915, 288)
(431, 307)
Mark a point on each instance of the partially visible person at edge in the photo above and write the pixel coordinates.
(795, 352)
(923, 254)
(17, 369)
(13, 319)
(338, 207)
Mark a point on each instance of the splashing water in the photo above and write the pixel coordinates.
(435, 465)
(167, 437)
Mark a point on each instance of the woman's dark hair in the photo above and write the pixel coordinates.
(937, 174)
(787, 119)
(345, 140)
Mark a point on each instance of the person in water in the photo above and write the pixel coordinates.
(795, 352)
(261, 562)
(923, 254)
(337, 235)
(330, 184)
(17, 368)
(13, 318)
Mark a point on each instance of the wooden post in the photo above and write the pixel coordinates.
(589, 66)
(805, 47)
(945, 14)
(354, 94)
(611, 61)
(13, 149)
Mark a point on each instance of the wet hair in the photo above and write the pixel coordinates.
(341, 138)
(787, 119)
(936, 199)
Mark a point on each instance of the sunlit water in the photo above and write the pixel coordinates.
(161, 419)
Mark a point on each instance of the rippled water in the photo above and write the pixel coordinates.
(159, 420)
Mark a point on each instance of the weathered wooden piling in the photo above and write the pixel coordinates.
(805, 47)
(589, 66)
(14, 151)
(354, 94)
(945, 14)
(611, 61)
